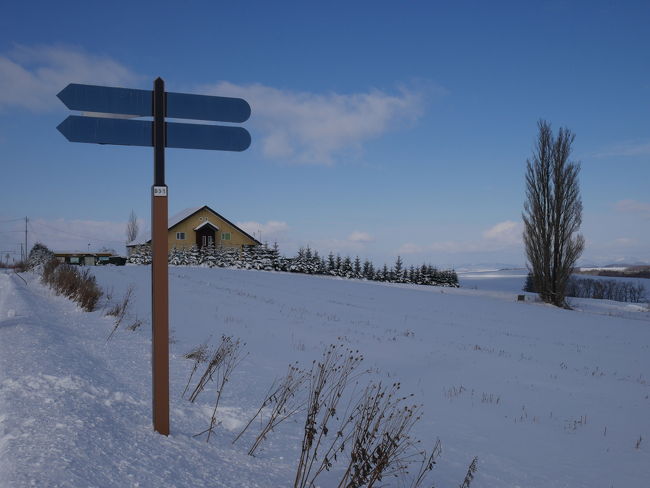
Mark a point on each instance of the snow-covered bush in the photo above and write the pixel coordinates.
(38, 256)
(140, 254)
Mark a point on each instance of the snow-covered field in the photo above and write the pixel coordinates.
(544, 397)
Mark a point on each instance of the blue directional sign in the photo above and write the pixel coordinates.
(159, 134)
(100, 130)
(204, 107)
(215, 137)
(128, 101)
(104, 99)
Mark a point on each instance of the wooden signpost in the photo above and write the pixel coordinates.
(159, 134)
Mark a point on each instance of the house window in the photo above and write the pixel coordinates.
(180, 236)
(225, 236)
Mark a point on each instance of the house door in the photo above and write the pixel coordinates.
(204, 237)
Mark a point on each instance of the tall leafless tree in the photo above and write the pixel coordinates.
(132, 228)
(552, 214)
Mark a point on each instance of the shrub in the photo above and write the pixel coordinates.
(66, 280)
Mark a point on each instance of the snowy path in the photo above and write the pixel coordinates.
(73, 411)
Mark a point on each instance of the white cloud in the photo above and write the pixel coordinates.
(507, 232)
(30, 77)
(633, 207)
(410, 248)
(306, 127)
(270, 231)
(358, 236)
(625, 242)
(506, 235)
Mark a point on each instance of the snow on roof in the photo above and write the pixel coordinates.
(207, 222)
(182, 215)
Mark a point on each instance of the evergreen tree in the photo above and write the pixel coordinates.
(357, 267)
(368, 270)
(331, 263)
(397, 269)
(385, 274)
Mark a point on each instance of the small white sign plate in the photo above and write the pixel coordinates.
(159, 191)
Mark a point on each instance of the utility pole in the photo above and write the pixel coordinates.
(26, 239)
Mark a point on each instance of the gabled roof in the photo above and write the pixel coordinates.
(206, 224)
(179, 217)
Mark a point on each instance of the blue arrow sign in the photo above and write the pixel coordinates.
(204, 107)
(104, 99)
(128, 101)
(122, 132)
(215, 137)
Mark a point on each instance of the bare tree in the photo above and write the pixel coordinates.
(552, 214)
(132, 228)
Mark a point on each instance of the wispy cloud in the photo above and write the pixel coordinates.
(633, 207)
(630, 148)
(507, 232)
(625, 242)
(305, 127)
(501, 236)
(31, 76)
(273, 230)
(358, 236)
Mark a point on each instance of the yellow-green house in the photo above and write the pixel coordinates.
(202, 226)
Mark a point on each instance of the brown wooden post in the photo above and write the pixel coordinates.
(159, 276)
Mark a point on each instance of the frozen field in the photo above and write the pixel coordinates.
(544, 397)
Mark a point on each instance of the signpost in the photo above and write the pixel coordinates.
(159, 134)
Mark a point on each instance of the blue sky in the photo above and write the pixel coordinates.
(379, 128)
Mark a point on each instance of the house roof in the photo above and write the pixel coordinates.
(206, 224)
(179, 217)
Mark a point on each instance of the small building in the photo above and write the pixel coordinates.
(82, 258)
(202, 226)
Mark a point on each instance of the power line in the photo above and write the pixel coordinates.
(73, 234)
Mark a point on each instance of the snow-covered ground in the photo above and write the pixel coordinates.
(544, 397)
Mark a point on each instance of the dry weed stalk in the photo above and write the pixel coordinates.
(381, 444)
(216, 358)
(427, 464)
(199, 355)
(471, 470)
(135, 325)
(282, 397)
(119, 310)
(328, 380)
(220, 367)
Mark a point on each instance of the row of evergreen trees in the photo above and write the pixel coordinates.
(306, 261)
